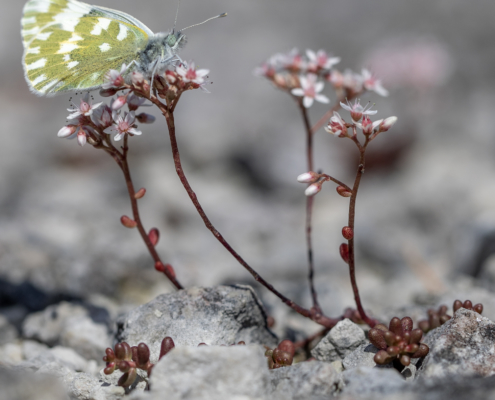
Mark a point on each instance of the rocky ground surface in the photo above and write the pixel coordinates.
(58, 354)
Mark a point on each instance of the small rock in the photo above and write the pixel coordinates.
(32, 348)
(8, 333)
(62, 356)
(210, 372)
(47, 325)
(409, 372)
(68, 325)
(342, 339)
(215, 316)
(337, 365)
(305, 380)
(464, 345)
(366, 382)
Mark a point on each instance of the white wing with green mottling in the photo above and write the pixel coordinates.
(70, 45)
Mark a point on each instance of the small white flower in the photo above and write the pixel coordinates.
(336, 126)
(357, 110)
(123, 125)
(367, 126)
(102, 116)
(114, 78)
(320, 60)
(84, 108)
(190, 74)
(310, 90)
(371, 83)
(134, 102)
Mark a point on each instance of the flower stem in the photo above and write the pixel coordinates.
(352, 213)
(124, 165)
(318, 317)
(309, 207)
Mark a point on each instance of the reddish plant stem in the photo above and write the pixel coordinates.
(123, 164)
(331, 178)
(309, 207)
(315, 316)
(352, 214)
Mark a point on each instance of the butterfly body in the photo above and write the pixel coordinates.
(70, 45)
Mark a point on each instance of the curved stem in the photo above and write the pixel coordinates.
(312, 314)
(352, 213)
(309, 207)
(124, 165)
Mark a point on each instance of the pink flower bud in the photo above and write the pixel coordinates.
(313, 189)
(154, 235)
(308, 177)
(347, 232)
(127, 222)
(119, 102)
(137, 78)
(81, 137)
(367, 126)
(145, 118)
(344, 252)
(387, 124)
(343, 191)
(170, 76)
(140, 193)
(67, 131)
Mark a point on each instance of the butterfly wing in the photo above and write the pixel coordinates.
(70, 45)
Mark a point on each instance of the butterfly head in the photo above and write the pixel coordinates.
(175, 40)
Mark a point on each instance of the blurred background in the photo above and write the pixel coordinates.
(425, 214)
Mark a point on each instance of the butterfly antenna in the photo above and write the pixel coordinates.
(209, 19)
(176, 15)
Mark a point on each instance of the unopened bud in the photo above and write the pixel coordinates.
(108, 92)
(170, 76)
(119, 102)
(140, 193)
(313, 189)
(387, 124)
(67, 131)
(344, 252)
(145, 118)
(343, 191)
(154, 235)
(347, 232)
(81, 138)
(308, 177)
(91, 141)
(279, 81)
(127, 222)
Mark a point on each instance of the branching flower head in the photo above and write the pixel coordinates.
(309, 90)
(85, 108)
(123, 124)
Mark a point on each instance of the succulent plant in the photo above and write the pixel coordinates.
(399, 342)
(282, 356)
(440, 316)
(128, 359)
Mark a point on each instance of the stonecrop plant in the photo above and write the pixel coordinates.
(111, 127)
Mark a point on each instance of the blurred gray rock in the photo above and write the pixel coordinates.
(8, 333)
(210, 373)
(87, 387)
(218, 315)
(68, 325)
(361, 357)
(366, 382)
(342, 339)
(22, 385)
(59, 355)
(305, 380)
(464, 345)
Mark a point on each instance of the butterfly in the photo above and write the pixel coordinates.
(70, 45)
